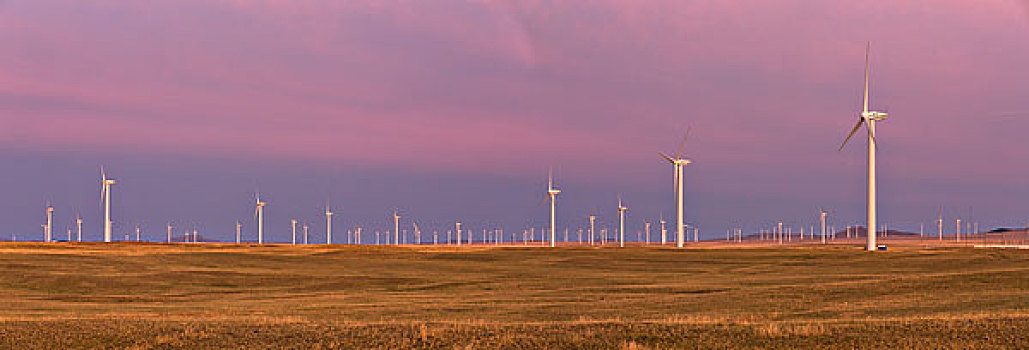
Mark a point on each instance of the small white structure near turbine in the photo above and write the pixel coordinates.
(551, 196)
(105, 199)
(680, 164)
(868, 119)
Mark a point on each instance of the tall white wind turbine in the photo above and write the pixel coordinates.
(868, 118)
(552, 198)
(259, 215)
(105, 198)
(680, 164)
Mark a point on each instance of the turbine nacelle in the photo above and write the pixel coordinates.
(872, 115)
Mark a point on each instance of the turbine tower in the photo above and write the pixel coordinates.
(621, 222)
(259, 215)
(552, 198)
(294, 223)
(78, 226)
(664, 232)
(105, 197)
(396, 227)
(48, 234)
(821, 219)
(868, 118)
(458, 229)
(680, 164)
(328, 224)
(593, 219)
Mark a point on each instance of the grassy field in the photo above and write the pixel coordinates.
(225, 296)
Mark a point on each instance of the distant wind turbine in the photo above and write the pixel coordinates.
(551, 196)
(293, 223)
(48, 234)
(328, 224)
(396, 227)
(78, 225)
(868, 118)
(664, 232)
(821, 220)
(417, 233)
(305, 232)
(593, 219)
(259, 215)
(458, 230)
(105, 199)
(680, 164)
(621, 222)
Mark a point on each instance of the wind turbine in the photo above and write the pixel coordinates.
(49, 232)
(259, 215)
(646, 225)
(305, 232)
(868, 118)
(239, 231)
(417, 233)
(292, 222)
(552, 198)
(664, 232)
(593, 219)
(680, 164)
(821, 219)
(458, 230)
(328, 224)
(396, 227)
(78, 225)
(621, 222)
(105, 198)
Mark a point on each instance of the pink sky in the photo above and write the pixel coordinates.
(488, 88)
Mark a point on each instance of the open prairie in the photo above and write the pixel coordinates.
(227, 296)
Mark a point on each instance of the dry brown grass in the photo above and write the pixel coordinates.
(188, 296)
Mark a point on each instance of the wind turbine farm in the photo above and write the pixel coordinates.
(354, 175)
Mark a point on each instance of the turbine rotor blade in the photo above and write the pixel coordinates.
(666, 157)
(868, 47)
(861, 120)
(682, 145)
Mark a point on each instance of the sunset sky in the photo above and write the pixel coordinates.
(453, 110)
